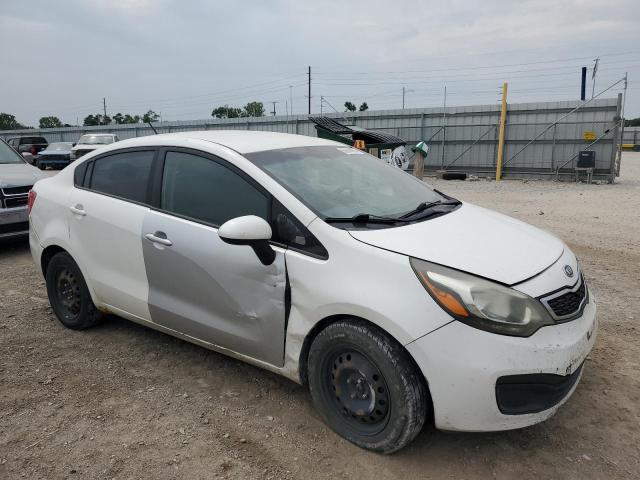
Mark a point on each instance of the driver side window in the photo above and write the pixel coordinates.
(206, 191)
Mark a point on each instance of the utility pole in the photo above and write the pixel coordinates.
(291, 98)
(404, 90)
(309, 82)
(583, 84)
(593, 75)
(104, 105)
(274, 107)
(503, 121)
(444, 125)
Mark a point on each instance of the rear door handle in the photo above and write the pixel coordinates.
(78, 210)
(159, 238)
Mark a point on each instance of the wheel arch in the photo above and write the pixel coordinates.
(50, 251)
(324, 323)
(46, 256)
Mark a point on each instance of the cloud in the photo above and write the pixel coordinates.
(185, 57)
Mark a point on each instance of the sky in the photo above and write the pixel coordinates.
(184, 58)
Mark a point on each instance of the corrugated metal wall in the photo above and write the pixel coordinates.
(631, 135)
(460, 138)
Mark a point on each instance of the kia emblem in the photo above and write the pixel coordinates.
(568, 271)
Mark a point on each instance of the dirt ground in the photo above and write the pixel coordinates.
(121, 401)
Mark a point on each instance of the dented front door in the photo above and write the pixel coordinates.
(212, 291)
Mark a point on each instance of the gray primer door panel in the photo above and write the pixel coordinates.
(213, 291)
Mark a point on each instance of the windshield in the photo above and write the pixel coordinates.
(95, 139)
(344, 182)
(8, 154)
(59, 146)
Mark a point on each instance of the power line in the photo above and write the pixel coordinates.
(489, 66)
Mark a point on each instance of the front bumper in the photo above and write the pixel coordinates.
(14, 222)
(465, 368)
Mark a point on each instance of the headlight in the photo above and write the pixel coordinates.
(481, 303)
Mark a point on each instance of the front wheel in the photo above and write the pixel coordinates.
(68, 294)
(366, 386)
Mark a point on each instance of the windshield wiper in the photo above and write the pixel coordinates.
(363, 218)
(427, 205)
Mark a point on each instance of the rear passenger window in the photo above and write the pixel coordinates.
(204, 190)
(124, 175)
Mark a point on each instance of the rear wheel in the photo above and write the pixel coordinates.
(366, 386)
(68, 294)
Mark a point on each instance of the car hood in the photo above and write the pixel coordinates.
(19, 175)
(83, 146)
(55, 152)
(474, 240)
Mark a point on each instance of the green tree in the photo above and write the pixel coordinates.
(632, 122)
(364, 107)
(227, 112)
(97, 119)
(50, 122)
(150, 116)
(253, 109)
(120, 119)
(9, 122)
(349, 107)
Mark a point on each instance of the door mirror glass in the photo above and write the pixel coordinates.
(249, 230)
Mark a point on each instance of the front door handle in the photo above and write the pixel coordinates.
(159, 238)
(77, 209)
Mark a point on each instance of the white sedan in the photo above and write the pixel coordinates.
(395, 303)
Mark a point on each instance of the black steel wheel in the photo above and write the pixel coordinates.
(360, 390)
(366, 386)
(68, 293)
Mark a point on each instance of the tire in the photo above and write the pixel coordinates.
(366, 386)
(68, 294)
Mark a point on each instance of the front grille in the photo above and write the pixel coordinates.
(14, 227)
(80, 153)
(11, 197)
(56, 158)
(567, 303)
(15, 202)
(6, 191)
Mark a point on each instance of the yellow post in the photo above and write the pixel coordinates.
(503, 119)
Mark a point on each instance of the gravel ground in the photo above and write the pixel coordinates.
(122, 401)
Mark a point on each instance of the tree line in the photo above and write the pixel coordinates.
(9, 122)
(251, 109)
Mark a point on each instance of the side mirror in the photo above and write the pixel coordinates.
(249, 230)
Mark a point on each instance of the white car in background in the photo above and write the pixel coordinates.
(16, 179)
(90, 142)
(393, 302)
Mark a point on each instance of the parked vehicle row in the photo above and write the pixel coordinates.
(38, 152)
(395, 303)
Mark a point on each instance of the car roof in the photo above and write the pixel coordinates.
(242, 141)
(100, 134)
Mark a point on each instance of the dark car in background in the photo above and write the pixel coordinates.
(29, 147)
(56, 155)
(16, 179)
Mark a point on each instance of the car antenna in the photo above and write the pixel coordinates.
(152, 128)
